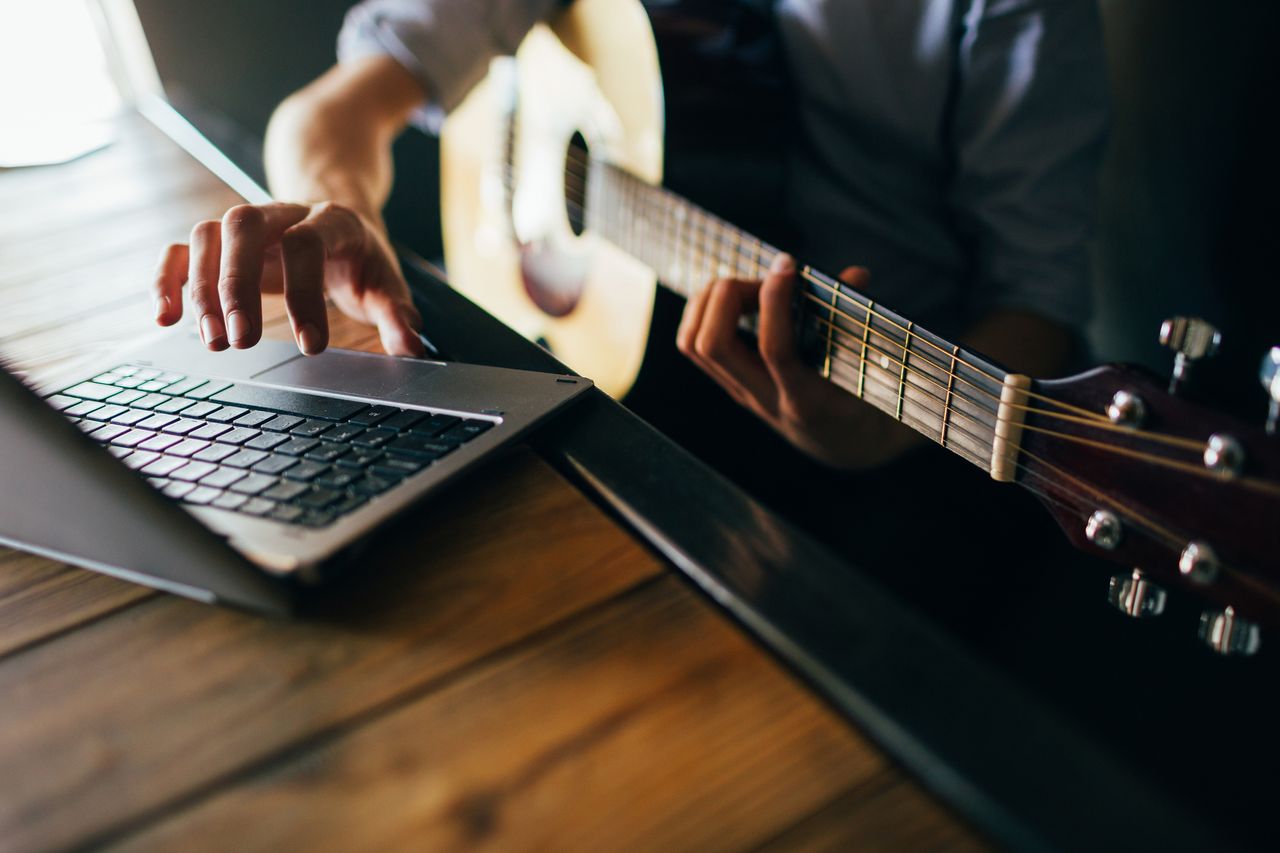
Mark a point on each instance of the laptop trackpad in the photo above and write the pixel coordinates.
(359, 373)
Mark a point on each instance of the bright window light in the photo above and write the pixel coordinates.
(56, 94)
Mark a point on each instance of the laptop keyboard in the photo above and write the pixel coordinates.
(297, 458)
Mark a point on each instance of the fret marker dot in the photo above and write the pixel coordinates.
(884, 362)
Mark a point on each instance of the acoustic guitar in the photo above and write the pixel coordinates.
(558, 221)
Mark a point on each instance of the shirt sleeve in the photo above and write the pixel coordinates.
(1029, 126)
(446, 44)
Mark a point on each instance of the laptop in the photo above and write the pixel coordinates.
(247, 476)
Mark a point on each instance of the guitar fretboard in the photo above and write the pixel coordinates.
(944, 392)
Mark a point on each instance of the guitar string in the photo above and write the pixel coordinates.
(883, 381)
(722, 226)
(1092, 419)
(1191, 468)
(739, 249)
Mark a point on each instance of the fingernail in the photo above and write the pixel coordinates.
(211, 331)
(162, 307)
(237, 326)
(782, 264)
(309, 339)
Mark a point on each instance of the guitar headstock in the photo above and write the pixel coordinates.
(1181, 495)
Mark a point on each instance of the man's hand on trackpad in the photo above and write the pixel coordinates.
(304, 251)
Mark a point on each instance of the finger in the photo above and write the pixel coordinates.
(397, 322)
(302, 252)
(166, 291)
(240, 283)
(777, 332)
(719, 344)
(206, 245)
(856, 277)
(691, 321)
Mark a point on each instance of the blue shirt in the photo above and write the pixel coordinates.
(952, 145)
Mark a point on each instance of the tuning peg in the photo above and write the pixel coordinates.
(1191, 339)
(1134, 595)
(1270, 376)
(1228, 634)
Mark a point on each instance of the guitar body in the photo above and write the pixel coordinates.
(663, 89)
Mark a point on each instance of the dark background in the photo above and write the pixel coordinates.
(1188, 223)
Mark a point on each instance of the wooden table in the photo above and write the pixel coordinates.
(518, 672)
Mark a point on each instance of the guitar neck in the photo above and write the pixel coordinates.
(949, 395)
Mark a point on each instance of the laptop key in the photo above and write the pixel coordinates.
(285, 491)
(207, 390)
(209, 432)
(349, 503)
(282, 423)
(253, 419)
(160, 442)
(343, 432)
(371, 486)
(297, 446)
(257, 506)
(124, 398)
(184, 386)
(230, 500)
(216, 453)
(62, 402)
(267, 441)
(157, 421)
(373, 415)
(129, 417)
(105, 432)
(133, 438)
(153, 386)
(106, 413)
(469, 429)
(336, 479)
(360, 458)
(226, 414)
(319, 498)
(164, 466)
(187, 447)
(177, 490)
(397, 467)
(238, 435)
(435, 424)
(150, 401)
(129, 382)
(327, 451)
(193, 471)
(306, 471)
(174, 405)
(426, 449)
(285, 513)
(311, 428)
(119, 452)
(199, 410)
(374, 437)
(202, 495)
(317, 518)
(254, 483)
(275, 464)
(140, 459)
(245, 458)
(403, 421)
(81, 408)
(92, 391)
(224, 477)
(182, 426)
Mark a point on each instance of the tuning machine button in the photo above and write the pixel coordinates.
(1126, 409)
(1103, 529)
(1223, 455)
(1228, 634)
(1134, 595)
(1191, 339)
(1270, 376)
(1198, 563)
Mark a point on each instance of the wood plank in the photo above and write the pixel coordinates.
(40, 598)
(889, 813)
(126, 714)
(650, 725)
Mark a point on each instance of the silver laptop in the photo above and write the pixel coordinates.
(245, 476)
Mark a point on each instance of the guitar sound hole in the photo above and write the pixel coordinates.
(575, 183)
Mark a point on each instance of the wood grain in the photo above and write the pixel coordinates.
(670, 729)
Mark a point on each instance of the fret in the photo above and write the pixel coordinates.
(755, 259)
(831, 328)
(902, 373)
(862, 358)
(946, 403)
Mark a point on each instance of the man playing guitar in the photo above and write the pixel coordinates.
(949, 145)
